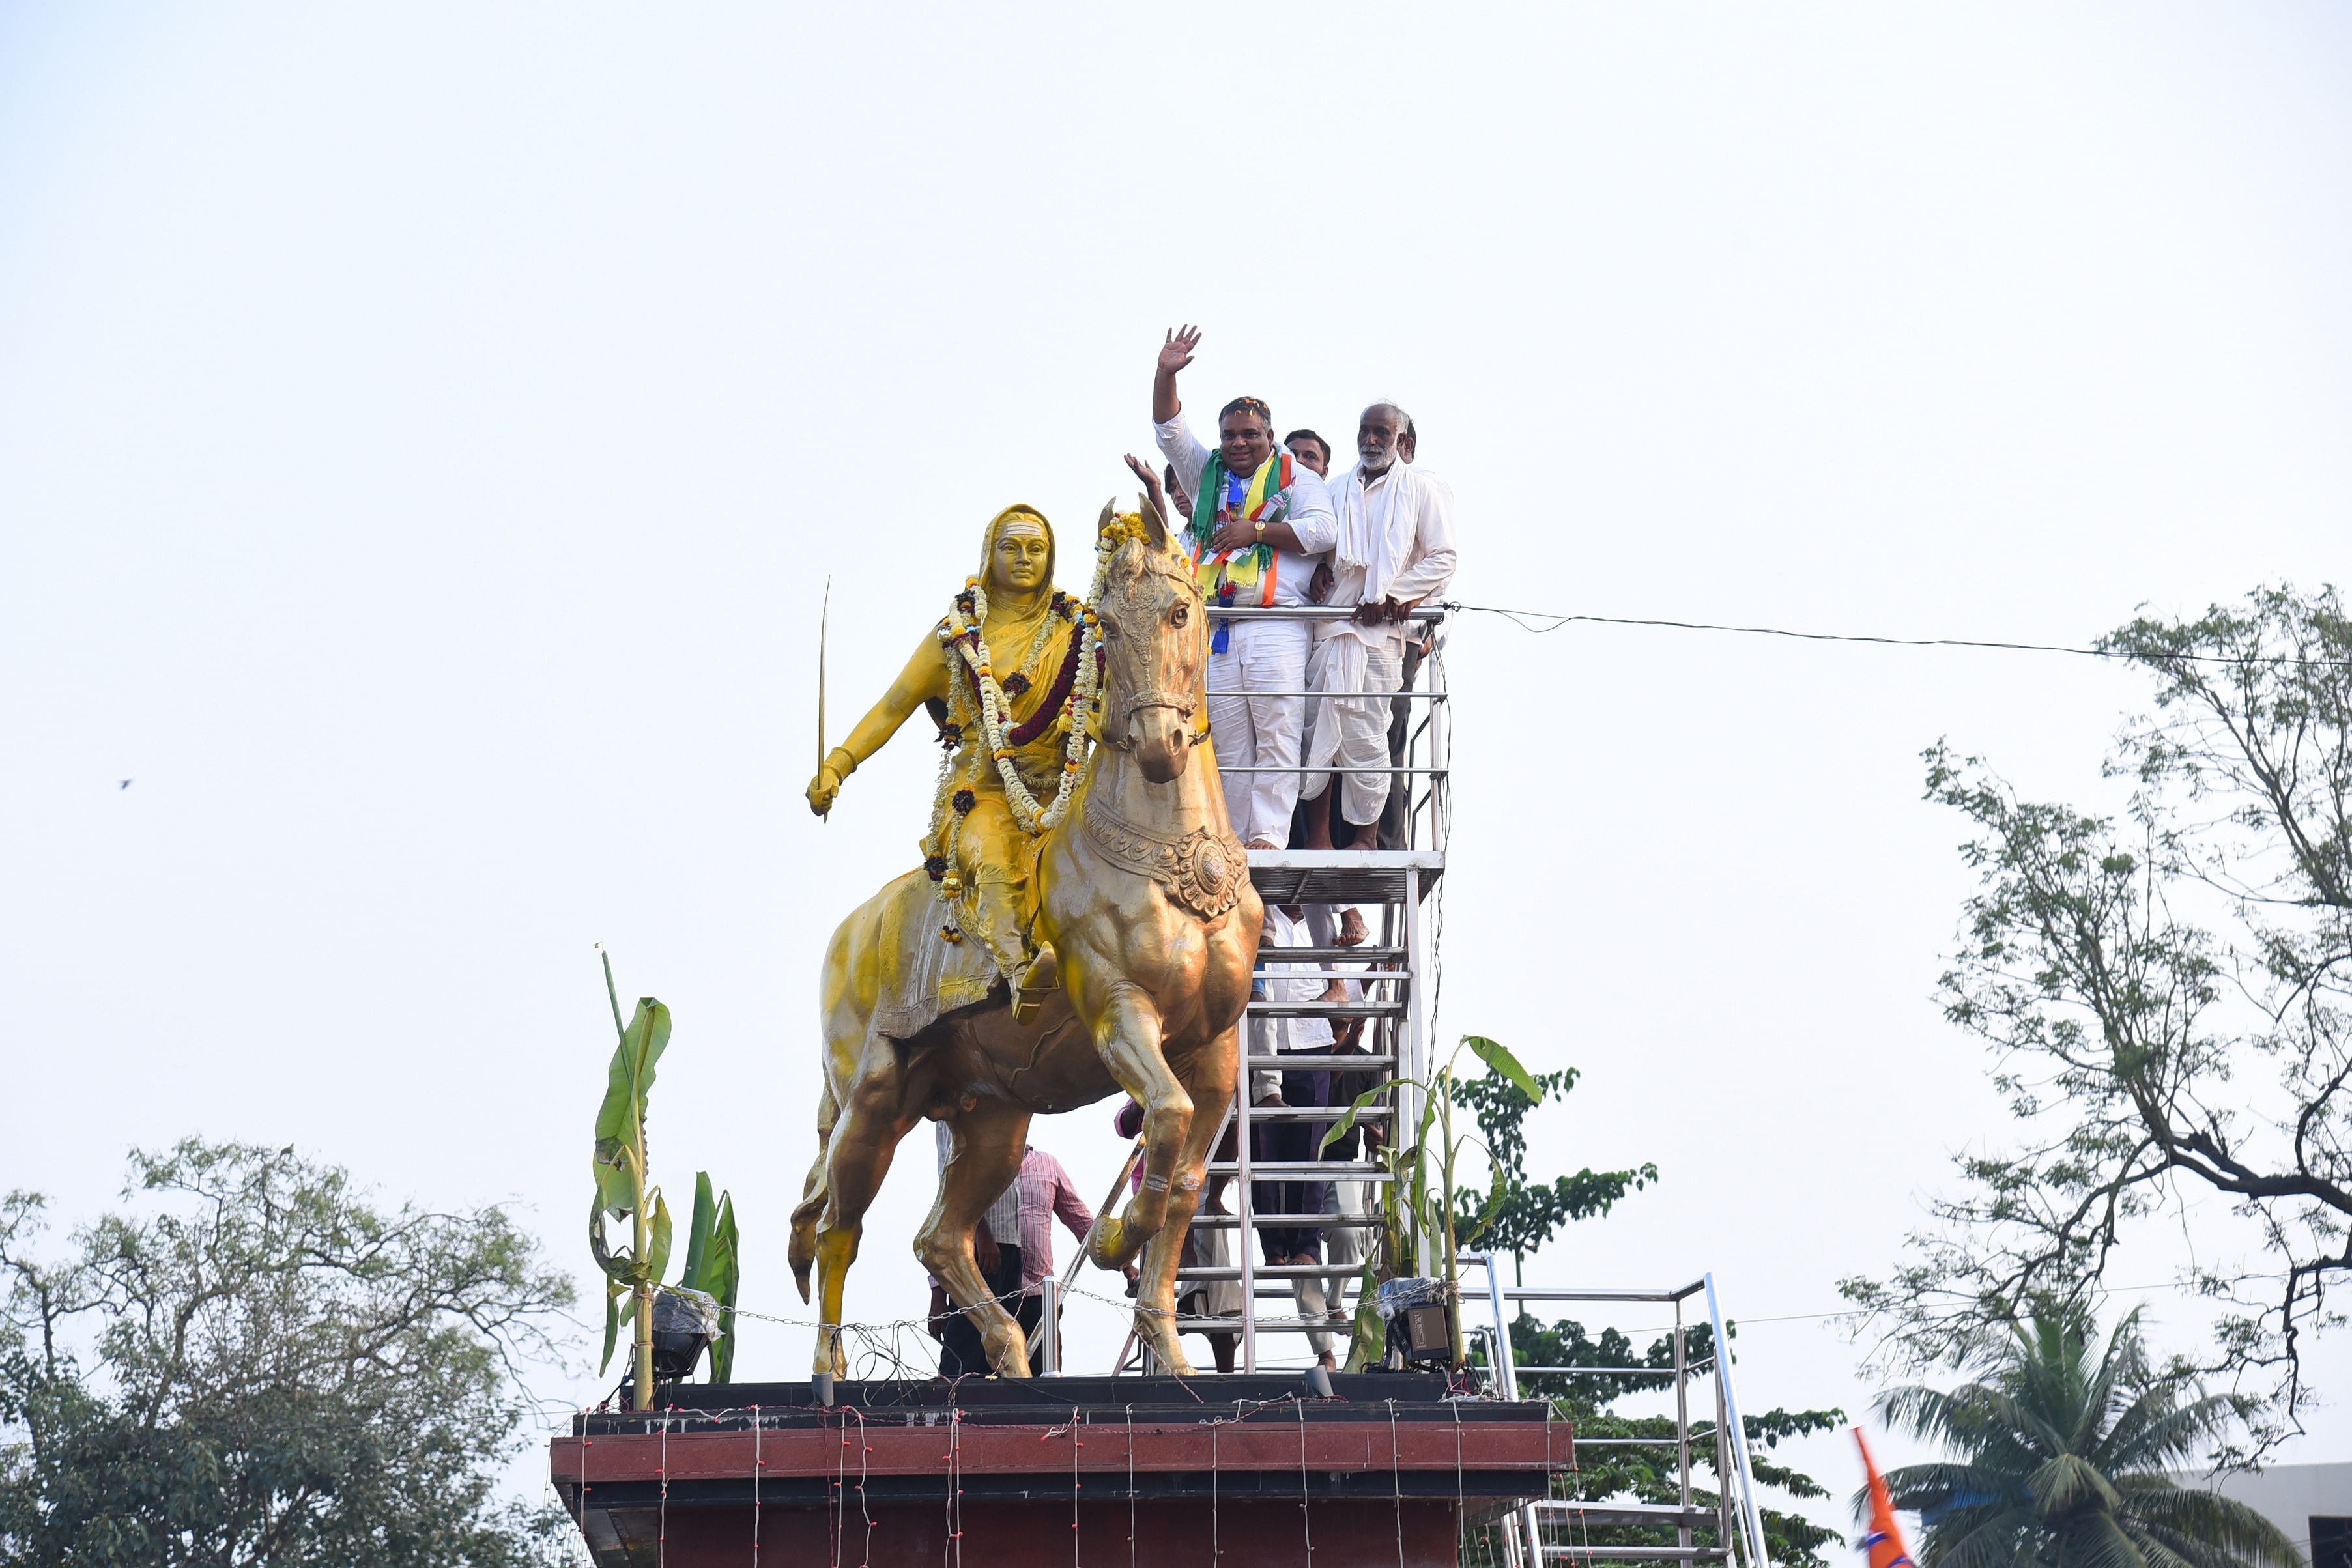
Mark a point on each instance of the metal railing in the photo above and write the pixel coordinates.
(1736, 1516)
(1423, 772)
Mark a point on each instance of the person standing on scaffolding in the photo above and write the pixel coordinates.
(1259, 519)
(1395, 549)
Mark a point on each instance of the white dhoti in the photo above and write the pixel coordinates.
(1343, 1248)
(1255, 731)
(1352, 732)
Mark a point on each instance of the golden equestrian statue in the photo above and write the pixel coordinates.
(1101, 884)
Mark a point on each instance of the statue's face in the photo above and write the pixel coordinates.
(1019, 561)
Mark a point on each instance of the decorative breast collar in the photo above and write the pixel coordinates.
(1204, 870)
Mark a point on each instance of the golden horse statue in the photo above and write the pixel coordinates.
(1144, 896)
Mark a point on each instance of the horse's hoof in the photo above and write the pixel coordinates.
(1167, 1353)
(1012, 1358)
(1107, 1250)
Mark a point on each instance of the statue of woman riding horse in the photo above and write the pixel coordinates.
(1119, 913)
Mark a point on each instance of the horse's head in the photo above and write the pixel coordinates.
(1154, 639)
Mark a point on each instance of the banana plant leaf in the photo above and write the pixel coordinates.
(1364, 1102)
(623, 1269)
(697, 1230)
(719, 1275)
(712, 1267)
(620, 1121)
(1500, 1059)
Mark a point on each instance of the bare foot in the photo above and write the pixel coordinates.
(1351, 928)
(1368, 837)
(1260, 844)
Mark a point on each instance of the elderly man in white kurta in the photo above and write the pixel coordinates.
(1259, 519)
(1395, 549)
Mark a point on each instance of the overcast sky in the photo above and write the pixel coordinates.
(425, 431)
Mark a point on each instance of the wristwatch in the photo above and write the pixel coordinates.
(1261, 530)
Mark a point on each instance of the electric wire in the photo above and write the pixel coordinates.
(1525, 619)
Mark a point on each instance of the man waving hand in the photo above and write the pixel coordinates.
(1258, 518)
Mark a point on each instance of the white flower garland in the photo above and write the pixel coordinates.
(964, 634)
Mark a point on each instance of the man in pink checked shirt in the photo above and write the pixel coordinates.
(1045, 1195)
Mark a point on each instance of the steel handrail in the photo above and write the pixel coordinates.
(1413, 693)
(1425, 614)
(1735, 1465)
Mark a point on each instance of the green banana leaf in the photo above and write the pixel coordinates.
(722, 1274)
(657, 1244)
(620, 1121)
(713, 1266)
(623, 1269)
(697, 1230)
(1339, 1128)
(1500, 1058)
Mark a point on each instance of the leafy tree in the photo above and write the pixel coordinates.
(2169, 1000)
(1514, 1215)
(1649, 1470)
(2063, 1448)
(258, 1366)
(1520, 1215)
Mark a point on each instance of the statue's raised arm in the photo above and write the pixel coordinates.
(1004, 659)
(925, 679)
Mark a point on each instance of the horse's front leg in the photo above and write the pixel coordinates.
(1127, 1037)
(1212, 1093)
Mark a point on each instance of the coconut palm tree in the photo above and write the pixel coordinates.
(2064, 1454)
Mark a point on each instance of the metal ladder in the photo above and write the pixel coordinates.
(1394, 1002)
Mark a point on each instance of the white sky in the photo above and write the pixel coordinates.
(425, 430)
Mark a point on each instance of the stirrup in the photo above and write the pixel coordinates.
(1043, 977)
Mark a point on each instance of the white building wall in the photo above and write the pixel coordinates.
(2289, 1495)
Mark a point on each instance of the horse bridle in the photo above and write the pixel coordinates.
(1155, 697)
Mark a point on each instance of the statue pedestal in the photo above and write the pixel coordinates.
(1235, 1470)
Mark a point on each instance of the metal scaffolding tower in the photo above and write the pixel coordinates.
(1391, 976)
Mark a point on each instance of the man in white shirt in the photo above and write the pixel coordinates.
(1312, 450)
(1395, 549)
(1259, 518)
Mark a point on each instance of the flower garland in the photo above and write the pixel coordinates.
(961, 632)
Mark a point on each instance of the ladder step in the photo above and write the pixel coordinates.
(1306, 1059)
(1366, 955)
(1327, 1009)
(1639, 1553)
(1353, 976)
(1303, 1170)
(1607, 1513)
(1275, 1272)
(1263, 1325)
(1322, 1222)
(1317, 1114)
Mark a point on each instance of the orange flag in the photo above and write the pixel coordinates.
(1884, 1540)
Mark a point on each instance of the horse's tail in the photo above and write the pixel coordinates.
(811, 1208)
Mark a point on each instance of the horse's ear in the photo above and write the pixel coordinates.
(1109, 515)
(1152, 525)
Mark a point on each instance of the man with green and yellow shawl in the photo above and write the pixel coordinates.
(981, 849)
(1259, 519)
